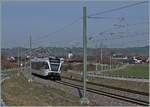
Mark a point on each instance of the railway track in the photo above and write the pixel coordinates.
(103, 92)
(111, 87)
(108, 94)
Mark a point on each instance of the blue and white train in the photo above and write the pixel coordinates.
(47, 67)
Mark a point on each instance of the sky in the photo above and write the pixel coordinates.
(41, 18)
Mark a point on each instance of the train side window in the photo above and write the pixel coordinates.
(35, 65)
(39, 65)
(45, 65)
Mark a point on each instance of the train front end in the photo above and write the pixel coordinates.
(55, 67)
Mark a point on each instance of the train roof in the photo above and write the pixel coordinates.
(40, 59)
(47, 59)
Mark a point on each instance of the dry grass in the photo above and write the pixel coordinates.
(18, 92)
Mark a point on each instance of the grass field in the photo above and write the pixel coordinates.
(138, 70)
(90, 67)
(137, 86)
(16, 91)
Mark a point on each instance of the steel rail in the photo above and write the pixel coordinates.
(111, 87)
(124, 98)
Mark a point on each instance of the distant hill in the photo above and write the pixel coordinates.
(12, 51)
(79, 51)
(133, 50)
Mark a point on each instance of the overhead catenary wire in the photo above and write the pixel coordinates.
(38, 48)
(104, 17)
(118, 36)
(123, 37)
(76, 20)
(58, 30)
(111, 28)
(100, 33)
(53, 42)
(117, 9)
(112, 10)
(91, 15)
(131, 43)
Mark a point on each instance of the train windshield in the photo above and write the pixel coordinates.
(54, 63)
(54, 60)
(54, 67)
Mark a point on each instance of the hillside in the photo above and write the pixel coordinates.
(79, 51)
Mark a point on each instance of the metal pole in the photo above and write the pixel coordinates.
(30, 39)
(84, 100)
(18, 58)
(96, 55)
(18, 63)
(110, 62)
(101, 59)
(25, 62)
(21, 59)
